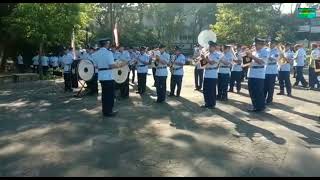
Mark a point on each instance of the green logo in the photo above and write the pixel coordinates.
(307, 13)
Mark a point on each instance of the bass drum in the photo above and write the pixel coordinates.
(85, 70)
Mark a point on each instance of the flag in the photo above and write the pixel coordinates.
(73, 45)
(115, 32)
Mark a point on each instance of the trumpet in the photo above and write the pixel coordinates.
(283, 59)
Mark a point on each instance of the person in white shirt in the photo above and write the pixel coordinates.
(44, 63)
(198, 69)
(256, 75)
(211, 76)
(224, 72)
(163, 60)
(67, 60)
(177, 74)
(142, 70)
(105, 63)
(124, 55)
(284, 71)
(271, 70)
(236, 70)
(299, 58)
(54, 61)
(20, 63)
(314, 55)
(133, 63)
(35, 63)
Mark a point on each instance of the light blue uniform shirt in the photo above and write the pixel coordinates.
(142, 68)
(235, 66)
(44, 61)
(211, 71)
(225, 69)
(67, 60)
(116, 55)
(162, 69)
(272, 64)
(54, 61)
(103, 58)
(286, 67)
(258, 72)
(299, 57)
(124, 55)
(178, 70)
(35, 60)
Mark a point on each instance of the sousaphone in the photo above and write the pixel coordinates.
(203, 39)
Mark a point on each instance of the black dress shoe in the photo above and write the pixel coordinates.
(251, 109)
(238, 92)
(230, 90)
(289, 95)
(114, 113)
(138, 92)
(280, 93)
(203, 106)
(211, 107)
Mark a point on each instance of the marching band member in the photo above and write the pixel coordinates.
(45, 64)
(105, 63)
(20, 63)
(236, 70)
(132, 65)
(35, 63)
(142, 70)
(163, 61)
(153, 53)
(256, 75)
(177, 72)
(67, 60)
(284, 71)
(93, 83)
(198, 70)
(224, 73)
(54, 61)
(124, 87)
(315, 54)
(298, 63)
(210, 77)
(271, 71)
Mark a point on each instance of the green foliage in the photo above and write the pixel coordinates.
(50, 22)
(242, 22)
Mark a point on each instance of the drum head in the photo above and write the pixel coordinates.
(120, 74)
(86, 70)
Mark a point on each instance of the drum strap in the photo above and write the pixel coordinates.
(104, 69)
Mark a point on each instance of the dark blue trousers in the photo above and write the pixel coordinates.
(161, 86)
(284, 81)
(313, 78)
(223, 81)
(142, 81)
(107, 96)
(299, 76)
(209, 91)
(235, 78)
(67, 81)
(269, 84)
(198, 77)
(256, 91)
(176, 80)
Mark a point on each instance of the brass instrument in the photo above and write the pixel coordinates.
(172, 61)
(203, 39)
(283, 59)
